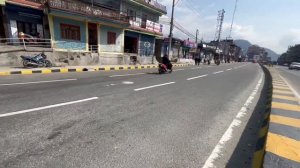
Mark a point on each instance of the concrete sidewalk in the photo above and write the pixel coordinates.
(26, 71)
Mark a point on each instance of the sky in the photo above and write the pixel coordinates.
(274, 24)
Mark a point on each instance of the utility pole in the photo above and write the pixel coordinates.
(220, 20)
(171, 29)
(197, 32)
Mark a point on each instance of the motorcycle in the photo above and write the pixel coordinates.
(36, 61)
(162, 68)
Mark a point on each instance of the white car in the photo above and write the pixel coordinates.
(295, 65)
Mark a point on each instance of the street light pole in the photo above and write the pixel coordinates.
(171, 29)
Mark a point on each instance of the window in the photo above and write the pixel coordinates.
(111, 37)
(131, 14)
(70, 32)
(144, 21)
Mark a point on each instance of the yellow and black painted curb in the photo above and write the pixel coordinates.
(82, 69)
(279, 142)
(259, 153)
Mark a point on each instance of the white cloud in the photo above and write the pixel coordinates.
(292, 37)
(192, 20)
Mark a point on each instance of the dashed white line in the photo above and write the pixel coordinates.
(197, 68)
(126, 75)
(177, 70)
(217, 152)
(46, 107)
(26, 83)
(229, 69)
(218, 72)
(197, 77)
(149, 87)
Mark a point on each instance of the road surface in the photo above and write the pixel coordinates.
(195, 117)
(292, 77)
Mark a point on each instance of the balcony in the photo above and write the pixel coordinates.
(88, 10)
(153, 4)
(148, 26)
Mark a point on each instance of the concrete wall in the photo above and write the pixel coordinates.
(58, 58)
(104, 47)
(69, 44)
(13, 59)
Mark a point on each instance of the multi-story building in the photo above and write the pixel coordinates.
(143, 34)
(24, 16)
(88, 26)
(109, 28)
(2, 29)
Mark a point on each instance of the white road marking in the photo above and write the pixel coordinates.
(217, 152)
(149, 87)
(127, 82)
(218, 72)
(177, 70)
(292, 89)
(126, 75)
(229, 69)
(26, 83)
(197, 77)
(46, 107)
(197, 68)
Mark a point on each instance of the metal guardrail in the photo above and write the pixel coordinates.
(26, 42)
(93, 48)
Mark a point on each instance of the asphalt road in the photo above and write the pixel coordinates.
(130, 118)
(292, 77)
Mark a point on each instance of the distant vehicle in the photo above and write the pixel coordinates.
(295, 65)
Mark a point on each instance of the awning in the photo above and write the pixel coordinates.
(26, 3)
(147, 33)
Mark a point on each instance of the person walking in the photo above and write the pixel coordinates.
(197, 59)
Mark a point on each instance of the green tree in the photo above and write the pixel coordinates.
(292, 55)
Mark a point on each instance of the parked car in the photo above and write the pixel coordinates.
(295, 65)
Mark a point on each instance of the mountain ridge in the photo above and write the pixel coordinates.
(245, 44)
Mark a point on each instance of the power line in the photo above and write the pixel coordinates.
(177, 2)
(235, 7)
(190, 6)
(180, 28)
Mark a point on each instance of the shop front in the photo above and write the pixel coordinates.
(24, 20)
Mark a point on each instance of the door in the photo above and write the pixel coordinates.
(93, 37)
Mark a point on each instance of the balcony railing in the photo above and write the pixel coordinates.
(153, 3)
(147, 26)
(86, 9)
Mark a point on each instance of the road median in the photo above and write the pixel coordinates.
(279, 141)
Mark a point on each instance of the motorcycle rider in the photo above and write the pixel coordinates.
(167, 62)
